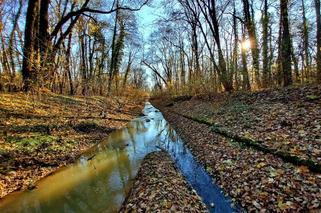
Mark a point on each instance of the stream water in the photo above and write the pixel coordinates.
(100, 180)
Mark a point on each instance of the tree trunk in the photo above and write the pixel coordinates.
(265, 49)
(12, 86)
(44, 35)
(235, 48)
(245, 72)
(195, 50)
(223, 72)
(295, 62)
(305, 40)
(128, 69)
(285, 45)
(71, 91)
(112, 60)
(182, 64)
(83, 66)
(28, 71)
(318, 15)
(250, 26)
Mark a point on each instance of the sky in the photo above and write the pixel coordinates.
(147, 17)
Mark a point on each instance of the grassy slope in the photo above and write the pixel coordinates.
(41, 133)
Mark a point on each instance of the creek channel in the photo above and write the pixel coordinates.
(101, 179)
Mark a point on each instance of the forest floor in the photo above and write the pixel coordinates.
(39, 134)
(159, 187)
(260, 147)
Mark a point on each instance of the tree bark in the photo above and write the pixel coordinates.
(113, 53)
(128, 69)
(318, 19)
(197, 68)
(28, 71)
(265, 48)
(12, 86)
(245, 72)
(71, 86)
(285, 45)
(305, 40)
(250, 26)
(223, 72)
(44, 34)
(235, 48)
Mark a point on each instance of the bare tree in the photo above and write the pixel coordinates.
(285, 45)
(318, 19)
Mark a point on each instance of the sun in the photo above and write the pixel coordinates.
(246, 44)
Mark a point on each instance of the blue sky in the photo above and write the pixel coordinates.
(146, 20)
(147, 17)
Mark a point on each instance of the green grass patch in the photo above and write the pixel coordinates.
(32, 142)
(62, 146)
(4, 170)
(312, 97)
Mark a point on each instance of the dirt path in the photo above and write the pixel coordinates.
(159, 187)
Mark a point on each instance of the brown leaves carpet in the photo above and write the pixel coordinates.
(159, 187)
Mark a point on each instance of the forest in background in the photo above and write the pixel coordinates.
(70, 47)
(96, 47)
(74, 71)
(207, 45)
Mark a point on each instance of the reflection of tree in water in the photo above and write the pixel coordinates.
(101, 192)
(135, 128)
(124, 168)
(106, 188)
(170, 140)
(139, 126)
(81, 198)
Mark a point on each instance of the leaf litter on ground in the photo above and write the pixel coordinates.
(159, 187)
(42, 133)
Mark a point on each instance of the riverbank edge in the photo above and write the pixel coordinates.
(251, 204)
(41, 172)
(281, 121)
(159, 186)
(57, 169)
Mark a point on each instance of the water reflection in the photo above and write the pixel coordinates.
(100, 180)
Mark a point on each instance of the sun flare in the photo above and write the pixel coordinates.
(246, 44)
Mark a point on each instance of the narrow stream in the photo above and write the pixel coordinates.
(100, 180)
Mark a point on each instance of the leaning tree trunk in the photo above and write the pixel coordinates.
(12, 86)
(128, 69)
(68, 55)
(223, 71)
(28, 71)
